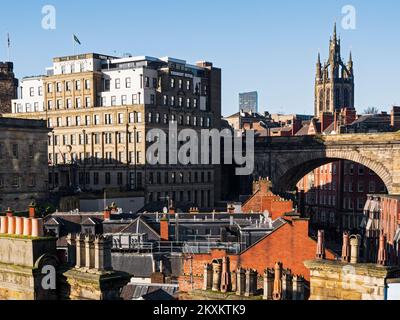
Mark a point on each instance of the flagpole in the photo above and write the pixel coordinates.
(73, 44)
(8, 47)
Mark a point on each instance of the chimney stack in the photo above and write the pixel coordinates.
(355, 248)
(321, 245)
(9, 212)
(346, 255)
(32, 210)
(164, 228)
(107, 213)
(382, 253)
(172, 208)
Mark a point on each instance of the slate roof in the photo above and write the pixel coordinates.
(149, 291)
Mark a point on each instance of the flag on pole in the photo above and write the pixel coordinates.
(8, 40)
(77, 40)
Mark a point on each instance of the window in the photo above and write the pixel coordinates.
(147, 82)
(165, 100)
(95, 178)
(87, 84)
(107, 85)
(59, 104)
(372, 186)
(188, 85)
(108, 178)
(188, 102)
(68, 122)
(103, 101)
(172, 83)
(172, 101)
(113, 101)
(50, 104)
(40, 91)
(78, 120)
(117, 83)
(108, 118)
(15, 151)
(108, 137)
(78, 85)
(96, 119)
(134, 99)
(15, 181)
(152, 99)
(120, 118)
(78, 103)
(360, 187)
(150, 118)
(69, 103)
(180, 102)
(88, 102)
(68, 86)
(180, 83)
(119, 179)
(123, 100)
(87, 120)
(128, 82)
(50, 88)
(31, 91)
(195, 103)
(30, 151)
(59, 87)
(361, 170)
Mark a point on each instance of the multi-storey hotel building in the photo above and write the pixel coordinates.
(101, 108)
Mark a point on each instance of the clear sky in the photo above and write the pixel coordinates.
(268, 46)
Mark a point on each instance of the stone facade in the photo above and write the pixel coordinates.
(101, 112)
(335, 280)
(288, 159)
(23, 163)
(8, 86)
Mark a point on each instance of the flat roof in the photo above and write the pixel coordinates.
(22, 123)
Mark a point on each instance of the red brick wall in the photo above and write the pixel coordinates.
(164, 230)
(289, 244)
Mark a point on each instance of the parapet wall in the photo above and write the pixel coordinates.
(335, 280)
(25, 251)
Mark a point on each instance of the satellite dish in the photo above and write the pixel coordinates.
(165, 210)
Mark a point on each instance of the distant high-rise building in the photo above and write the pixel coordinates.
(248, 101)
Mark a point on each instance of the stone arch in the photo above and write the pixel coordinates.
(290, 172)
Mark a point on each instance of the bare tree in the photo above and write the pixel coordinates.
(371, 110)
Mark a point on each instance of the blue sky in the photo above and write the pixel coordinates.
(269, 46)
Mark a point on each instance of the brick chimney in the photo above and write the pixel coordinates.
(263, 185)
(164, 228)
(9, 212)
(349, 115)
(32, 210)
(107, 214)
(171, 208)
(346, 254)
(395, 118)
(321, 245)
(326, 120)
(382, 253)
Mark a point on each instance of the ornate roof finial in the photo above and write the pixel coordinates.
(334, 32)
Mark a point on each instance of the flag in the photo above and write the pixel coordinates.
(77, 40)
(8, 40)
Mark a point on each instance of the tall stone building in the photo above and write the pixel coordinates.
(23, 163)
(102, 108)
(8, 86)
(334, 81)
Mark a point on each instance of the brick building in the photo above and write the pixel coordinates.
(263, 200)
(288, 243)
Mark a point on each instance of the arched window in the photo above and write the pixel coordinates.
(337, 98)
(321, 100)
(346, 98)
(328, 99)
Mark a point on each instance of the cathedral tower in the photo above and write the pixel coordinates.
(334, 81)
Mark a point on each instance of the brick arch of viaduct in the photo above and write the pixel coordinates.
(287, 172)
